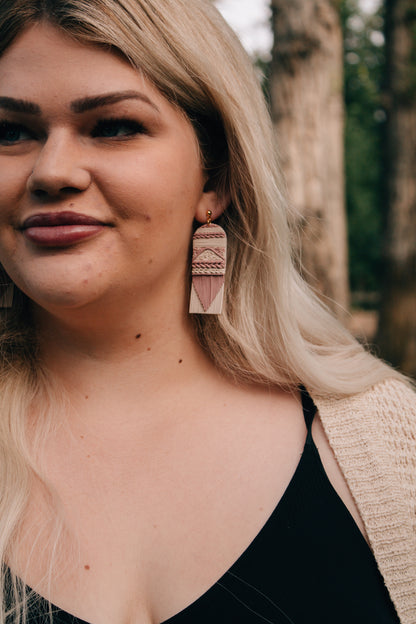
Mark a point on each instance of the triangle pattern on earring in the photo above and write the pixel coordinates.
(207, 288)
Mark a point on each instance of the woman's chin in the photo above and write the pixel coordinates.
(53, 299)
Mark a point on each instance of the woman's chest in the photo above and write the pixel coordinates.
(145, 533)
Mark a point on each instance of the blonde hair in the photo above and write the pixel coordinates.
(274, 330)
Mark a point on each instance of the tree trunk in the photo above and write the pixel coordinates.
(397, 327)
(308, 112)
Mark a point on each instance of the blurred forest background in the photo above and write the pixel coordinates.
(341, 83)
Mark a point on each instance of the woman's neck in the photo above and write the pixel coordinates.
(121, 352)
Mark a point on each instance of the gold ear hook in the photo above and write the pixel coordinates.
(209, 215)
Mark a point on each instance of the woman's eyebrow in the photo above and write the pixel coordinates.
(19, 106)
(89, 103)
(77, 106)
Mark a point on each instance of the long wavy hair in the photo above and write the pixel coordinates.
(274, 329)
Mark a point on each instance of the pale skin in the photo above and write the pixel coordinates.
(164, 469)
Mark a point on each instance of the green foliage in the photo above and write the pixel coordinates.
(365, 117)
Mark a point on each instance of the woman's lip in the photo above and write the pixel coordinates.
(61, 235)
(60, 229)
(56, 219)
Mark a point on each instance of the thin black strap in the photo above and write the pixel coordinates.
(309, 411)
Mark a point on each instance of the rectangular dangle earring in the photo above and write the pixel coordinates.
(209, 258)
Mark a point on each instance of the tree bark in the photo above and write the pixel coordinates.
(397, 327)
(308, 112)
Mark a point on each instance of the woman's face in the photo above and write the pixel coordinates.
(100, 176)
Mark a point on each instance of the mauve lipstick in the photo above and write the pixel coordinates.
(60, 229)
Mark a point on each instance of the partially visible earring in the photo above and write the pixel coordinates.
(6, 289)
(209, 258)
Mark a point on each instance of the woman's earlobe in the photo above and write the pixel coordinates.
(212, 202)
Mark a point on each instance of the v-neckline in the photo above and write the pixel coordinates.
(69, 618)
(309, 411)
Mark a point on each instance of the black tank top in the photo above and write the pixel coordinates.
(309, 564)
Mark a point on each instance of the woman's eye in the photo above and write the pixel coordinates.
(113, 128)
(13, 133)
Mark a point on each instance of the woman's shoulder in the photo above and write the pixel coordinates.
(389, 400)
(377, 423)
(373, 438)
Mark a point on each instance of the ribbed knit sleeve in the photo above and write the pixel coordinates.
(373, 436)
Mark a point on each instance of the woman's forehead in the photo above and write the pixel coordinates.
(44, 53)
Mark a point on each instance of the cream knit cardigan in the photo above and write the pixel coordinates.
(373, 436)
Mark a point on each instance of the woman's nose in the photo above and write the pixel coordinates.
(59, 168)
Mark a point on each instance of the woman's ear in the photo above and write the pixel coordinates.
(211, 201)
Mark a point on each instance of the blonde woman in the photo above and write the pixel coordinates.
(159, 466)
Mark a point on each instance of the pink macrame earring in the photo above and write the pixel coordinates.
(209, 258)
(6, 289)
